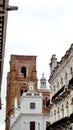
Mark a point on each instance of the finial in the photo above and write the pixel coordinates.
(43, 75)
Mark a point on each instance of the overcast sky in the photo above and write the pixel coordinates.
(41, 28)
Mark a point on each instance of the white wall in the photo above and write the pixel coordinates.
(67, 111)
(25, 104)
(24, 115)
(23, 122)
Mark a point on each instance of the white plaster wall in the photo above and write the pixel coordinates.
(59, 105)
(16, 125)
(24, 115)
(23, 122)
(46, 118)
(65, 69)
(25, 104)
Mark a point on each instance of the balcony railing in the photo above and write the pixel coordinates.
(31, 94)
(62, 123)
(63, 92)
(56, 96)
(58, 93)
(70, 85)
(71, 118)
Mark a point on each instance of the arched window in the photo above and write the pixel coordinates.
(51, 114)
(66, 77)
(54, 89)
(55, 115)
(61, 81)
(67, 108)
(58, 113)
(71, 72)
(58, 85)
(23, 71)
(47, 101)
(22, 90)
(62, 111)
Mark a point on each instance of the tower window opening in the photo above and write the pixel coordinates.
(23, 71)
(22, 91)
(47, 101)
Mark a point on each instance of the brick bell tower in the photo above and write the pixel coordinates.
(22, 73)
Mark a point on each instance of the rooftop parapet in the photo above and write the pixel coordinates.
(54, 64)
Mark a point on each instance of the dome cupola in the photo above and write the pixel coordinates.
(43, 81)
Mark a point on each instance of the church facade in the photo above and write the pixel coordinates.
(26, 105)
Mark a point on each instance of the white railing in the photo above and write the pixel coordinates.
(31, 94)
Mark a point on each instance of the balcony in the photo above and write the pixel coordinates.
(70, 85)
(71, 118)
(62, 93)
(60, 124)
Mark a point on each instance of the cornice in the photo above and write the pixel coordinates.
(60, 65)
(23, 57)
